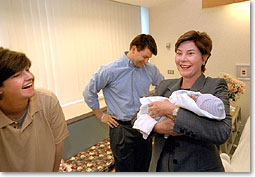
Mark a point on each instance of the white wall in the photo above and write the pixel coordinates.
(228, 26)
(67, 41)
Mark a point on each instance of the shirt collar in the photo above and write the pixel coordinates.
(199, 83)
(4, 120)
(197, 86)
(34, 106)
(127, 60)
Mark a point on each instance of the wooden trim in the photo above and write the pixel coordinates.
(214, 3)
(89, 114)
(83, 116)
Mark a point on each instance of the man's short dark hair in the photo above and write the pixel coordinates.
(143, 41)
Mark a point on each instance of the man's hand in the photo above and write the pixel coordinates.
(110, 120)
(106, 118)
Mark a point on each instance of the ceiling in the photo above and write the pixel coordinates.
(150, 3)
(145, 3)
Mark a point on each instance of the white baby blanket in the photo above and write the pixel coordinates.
(181, 98)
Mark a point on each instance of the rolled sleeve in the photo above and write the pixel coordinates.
(97, 82)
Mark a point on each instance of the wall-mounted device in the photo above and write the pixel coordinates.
(168, 45)
(170, 71)
(243, 71)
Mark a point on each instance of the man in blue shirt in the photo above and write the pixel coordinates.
(124, 81)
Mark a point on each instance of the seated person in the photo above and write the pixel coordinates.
(202, 104)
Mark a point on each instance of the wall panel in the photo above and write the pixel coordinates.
(68, 40)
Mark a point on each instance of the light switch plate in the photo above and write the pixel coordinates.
(170, 71)
(243, 71)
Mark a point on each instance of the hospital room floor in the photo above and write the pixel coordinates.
(97, 158)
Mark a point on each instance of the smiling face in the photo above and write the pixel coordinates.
(19, 86)
(189, 60)
(139, 58)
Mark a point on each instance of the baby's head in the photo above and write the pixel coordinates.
(211, 104)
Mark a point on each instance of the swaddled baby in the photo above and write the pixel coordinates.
(205, 105)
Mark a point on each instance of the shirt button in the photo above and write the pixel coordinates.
(177, 144)
(175, 161)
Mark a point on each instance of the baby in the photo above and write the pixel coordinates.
(205, 105)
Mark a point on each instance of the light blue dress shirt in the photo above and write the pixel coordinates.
(123, 85)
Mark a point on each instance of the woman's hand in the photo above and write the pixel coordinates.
(161, 108)
(166, 127)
